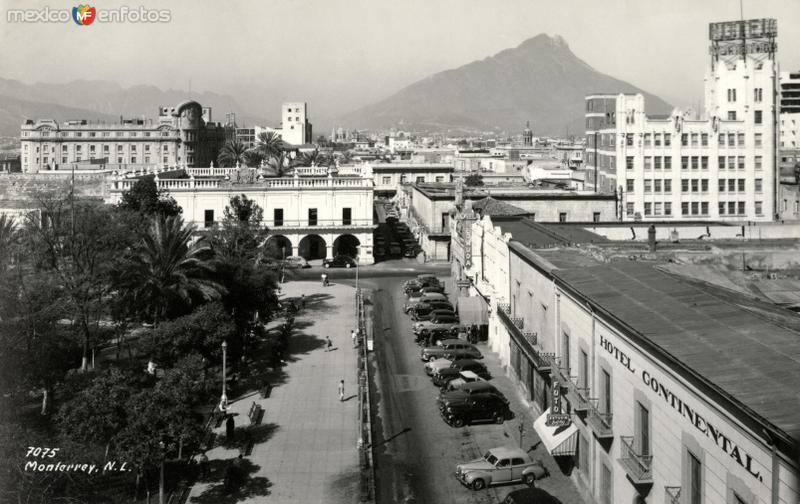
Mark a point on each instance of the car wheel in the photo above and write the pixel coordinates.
(454, 332)
(478, 484)
(529, 479)
(347, 265)
(459, 422)
(499, 418)
(327, 265)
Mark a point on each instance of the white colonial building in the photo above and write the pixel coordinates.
(314, 214)
(720, 166)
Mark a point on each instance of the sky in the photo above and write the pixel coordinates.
(338, 55)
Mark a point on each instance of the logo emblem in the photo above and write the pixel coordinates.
(83, 15)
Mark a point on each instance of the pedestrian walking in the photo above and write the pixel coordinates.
(302, 301)
(341, 390)
(329, 344)
(203, 460)
(229, 427)
(354, 337)
(324, 279)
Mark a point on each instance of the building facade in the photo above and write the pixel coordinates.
(789, 141)
(183, 135)
(719, 167)
(295, 127)
(315, 217)
(390, 177)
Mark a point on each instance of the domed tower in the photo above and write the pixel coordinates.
(527, 135)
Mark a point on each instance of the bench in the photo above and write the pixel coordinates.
(255, 414)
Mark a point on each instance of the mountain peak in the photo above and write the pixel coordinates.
(544, 40)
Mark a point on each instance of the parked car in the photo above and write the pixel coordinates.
(420, 310)
(432, 296)
(531, 495)
(412, 252)
(458, 381)
(293, 262)
(443, 376)
(433, 288)
(481, 408)
(394, 249)
(433, 336)
(470, 364)
(467, 392)
(425, 326)
(340, 261)
(501, 465)
(447, 347)
(432, 314)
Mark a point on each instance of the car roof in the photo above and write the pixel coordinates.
(506, 452)
(435, 295)
(469, 375)
(532, 496)
(426, 275)
(465, 362)
(452, 341)
(479, 386)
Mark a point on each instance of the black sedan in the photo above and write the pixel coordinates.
(340, 261)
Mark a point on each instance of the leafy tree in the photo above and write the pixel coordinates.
(241, 232)
(232, 153)
(9, 239)
(243, 210)
(145, 197)
(164, 275)
(474, 180)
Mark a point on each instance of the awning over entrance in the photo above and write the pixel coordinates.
(473, 310)
(561, 441)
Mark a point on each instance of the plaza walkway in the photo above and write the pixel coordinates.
(305, 449)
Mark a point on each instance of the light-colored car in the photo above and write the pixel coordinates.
(501, 465)
(295, 262)
(433, 366)
(457, 383)
(447, 346)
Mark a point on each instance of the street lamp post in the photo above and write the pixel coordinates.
(356, 259)
(223, 402)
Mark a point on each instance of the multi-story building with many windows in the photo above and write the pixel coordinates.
(789, 141)
(721, 166)
(181, 136)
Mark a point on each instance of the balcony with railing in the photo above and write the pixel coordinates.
(600, 422)
(673, 495)
(578, 396)
(526, 340)
(638, 466)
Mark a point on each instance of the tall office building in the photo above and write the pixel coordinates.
(295, 128)
(789, 122)
(675, 167)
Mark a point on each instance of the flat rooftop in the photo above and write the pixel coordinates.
(747, 350)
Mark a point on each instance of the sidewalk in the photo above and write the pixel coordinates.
(306, 446)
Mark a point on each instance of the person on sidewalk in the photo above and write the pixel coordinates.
(329, 344)
(302, 301)
(229, 427)
(341, 390)
(203, 460)
(354, 337)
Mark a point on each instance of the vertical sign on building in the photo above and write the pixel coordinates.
(557, 416)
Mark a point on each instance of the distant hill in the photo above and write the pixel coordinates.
(102, 100)
(540, 80)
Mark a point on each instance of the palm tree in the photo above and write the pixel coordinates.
(231, 153)
(269, 144)
(165, 273)
(279, 163)
(9, 238)
(312, 158)
(254, 158)
(345, 157)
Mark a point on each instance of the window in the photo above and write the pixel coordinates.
(647, 139)
(704, 162)
(758, 116)
(657, 139)
(695, 475)
(721, 208)
(629, 209)
(731, 95)
(722, 139)
(421, 179)
(694, 139)
(642, 429)
(657, 208)
(758, 95)
(277, 217)
(704, 185)
(759, 185)
(595, 216)
(741, 208)
(721, 185)
(731, 185)
(704, 140)
(731, 140)
(695, 162)
(648, 185)
(312, 216)
(704, 208)
(648, 163)
(386, 180)
(759, 208)
(209, 218)
(439, 178)
(685, 139)
(347, 216)
(667, 208)
(667, 139)
(758, 162)
(731, 115)
(605, 387)
(721, 162)
(629, 162)
(565, 350)
(695, 208)
(741, 185)
(685, 185)
(657, 163)
(757, 139)
(740, 139)
(657, 185)
(731, 162)
(695, 185)
(629, 185)
(667, 162)
(606, 485)
(648, 208)
(684, 162)
(667, 185)
(629, 139)
(562, 217)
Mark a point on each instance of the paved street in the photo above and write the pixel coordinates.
(416, 451)
(305, 447)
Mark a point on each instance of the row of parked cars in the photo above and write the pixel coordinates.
(465, 394)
